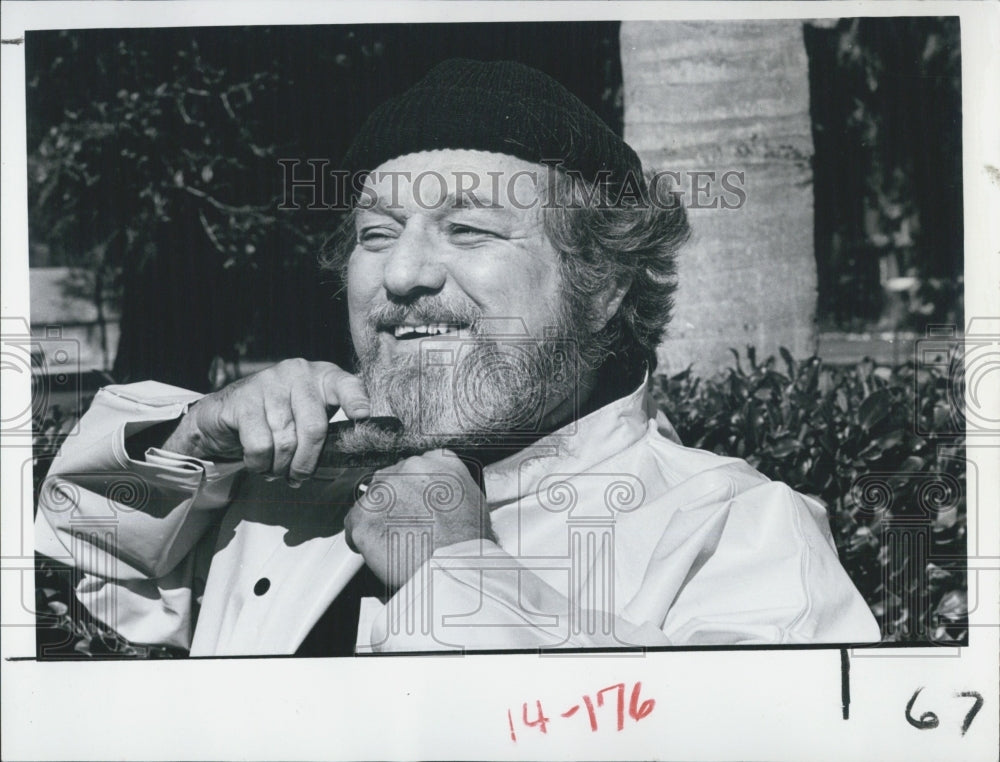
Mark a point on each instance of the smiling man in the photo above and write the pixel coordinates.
(434, 265)
(509, 278)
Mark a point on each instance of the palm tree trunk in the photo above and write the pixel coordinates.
(730, 97)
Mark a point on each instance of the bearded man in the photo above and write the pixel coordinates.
(509, 276)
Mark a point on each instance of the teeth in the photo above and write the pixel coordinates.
(430, 329)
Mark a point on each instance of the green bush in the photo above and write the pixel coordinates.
(845, 435)
(896, 499)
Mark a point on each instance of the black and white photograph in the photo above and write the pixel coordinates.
(618, 340)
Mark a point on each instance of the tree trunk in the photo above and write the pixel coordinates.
(730, 97)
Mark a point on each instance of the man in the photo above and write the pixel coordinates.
(509, 276)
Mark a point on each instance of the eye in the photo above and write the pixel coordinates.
(469, 235)
(376, 238)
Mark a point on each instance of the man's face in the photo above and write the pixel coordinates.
(431, 262)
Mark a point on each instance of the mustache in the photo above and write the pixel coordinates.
(428, 309)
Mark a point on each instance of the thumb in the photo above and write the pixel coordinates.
(345, 390)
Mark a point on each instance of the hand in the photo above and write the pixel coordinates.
(275, 420)
(434, 494)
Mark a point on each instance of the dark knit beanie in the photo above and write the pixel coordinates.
(498, 106)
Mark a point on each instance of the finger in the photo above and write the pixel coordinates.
(444, 459)
(349, 530)
(278, 412)
(468, 466)
(309, 412)
(346, 390)
(255, 439)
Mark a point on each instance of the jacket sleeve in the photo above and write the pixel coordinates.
(759, 568)
(132, 526)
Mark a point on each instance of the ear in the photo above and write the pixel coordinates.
(607, 302)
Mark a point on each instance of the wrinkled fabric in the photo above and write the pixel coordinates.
(609, 533)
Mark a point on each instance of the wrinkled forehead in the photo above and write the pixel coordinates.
(456, 179)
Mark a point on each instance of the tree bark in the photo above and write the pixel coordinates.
(730, 97)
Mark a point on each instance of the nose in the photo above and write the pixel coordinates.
(413, 268)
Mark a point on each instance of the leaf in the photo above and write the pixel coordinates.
(777, 380)
(953, 605)
(912, 464)
(842, 401)
(789, 362)
(784, 447)
(874, 408)
(871, 452)
(812, 376)
(822, 473)
(890, 440)
(736, 355)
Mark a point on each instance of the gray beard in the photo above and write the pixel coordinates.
(494, 391)
(491, 393)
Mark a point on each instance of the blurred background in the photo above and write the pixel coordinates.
(157, 248)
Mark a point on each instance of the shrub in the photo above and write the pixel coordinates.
(896, 500)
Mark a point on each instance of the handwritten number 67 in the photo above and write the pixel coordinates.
(929, 720)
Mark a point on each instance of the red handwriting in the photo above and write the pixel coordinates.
(613, 695)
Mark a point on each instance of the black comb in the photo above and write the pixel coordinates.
(333, 456)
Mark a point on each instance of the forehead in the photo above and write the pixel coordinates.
(445, 179)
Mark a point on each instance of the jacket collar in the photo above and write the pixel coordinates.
(573, 448)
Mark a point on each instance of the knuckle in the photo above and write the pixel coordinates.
(284, 442)
(349, 532)
(257, 452)
(314, 430)
(257, 449)
(414, 464)
(357, 522)
(384, 474)
(280, 373)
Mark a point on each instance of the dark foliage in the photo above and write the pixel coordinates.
(886, 94)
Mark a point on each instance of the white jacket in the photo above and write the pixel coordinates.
(610, 533)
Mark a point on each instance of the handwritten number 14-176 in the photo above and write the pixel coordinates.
(613, 694)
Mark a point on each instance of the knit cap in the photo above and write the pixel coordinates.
(499, 106)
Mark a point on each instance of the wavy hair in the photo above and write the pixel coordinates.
(604, 240)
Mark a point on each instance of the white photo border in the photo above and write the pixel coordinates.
(757, 704)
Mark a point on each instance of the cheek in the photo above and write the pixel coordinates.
(522, 285)
(536, 293)
(364, 281)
